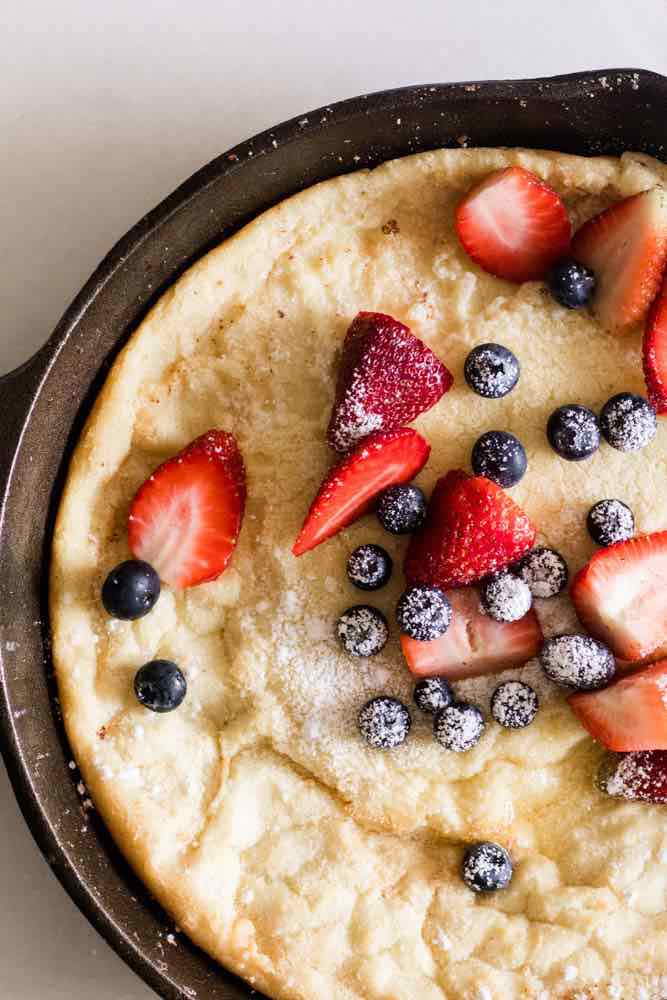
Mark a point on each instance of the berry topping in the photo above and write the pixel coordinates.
(630, 714)
(349, 489)
(513, 225)
(621, 596)
(486, 867)
(433, 694)
(472, 528)
(640, 776)
(160, 686)
(387, 378)
(577, 661)
(362, 630)
(626, 247)
(423, 613)
(514, 705)
(628, 422)
(491, 370)
(459, 726)
(545, 571)
(499, 456)
(130, 590)
(573, 432)
(610, 521)
(506, 598)
(402, 509)
(571, 283)
(186, 517)
(369, 567)
(384, 723)
(474, 643)
(655, 352)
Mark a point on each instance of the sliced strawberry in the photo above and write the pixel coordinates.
(474, 643)
(641, 776)
(655, 352)
(513, 225)
(472, 528)
(630, 714)
(626, 247)
(621, 597)
(186, 517)
(387, 378)
(351, 486)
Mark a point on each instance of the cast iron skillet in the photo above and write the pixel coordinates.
(45, 402)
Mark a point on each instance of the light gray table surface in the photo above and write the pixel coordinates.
(104, 109)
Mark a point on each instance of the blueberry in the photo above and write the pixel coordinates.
(130, 590)
(362, 630)
(432, 694)
(505, 597)
(499, 456)
(571, 283)
(458, 727)
(423, 613)
(610, 521)
(573, 432)
(369, 567)
(402, 509)
(491, 370)
(628, 422)
(514, 704)
(384, 723)
(544, 570)
(486, 867)
(160, 686)
(577, 661)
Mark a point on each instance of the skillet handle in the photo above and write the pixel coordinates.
(18, 389)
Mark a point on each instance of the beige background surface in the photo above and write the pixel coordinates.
(103, 110)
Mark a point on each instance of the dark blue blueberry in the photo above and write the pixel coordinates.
(505, 597)
(514, 704)
(423, 613)
(491, 370)
(160, 686)
(577, 661)
(458, 727)
(486, 867)
(499, 456)
(573, 432)
(130, 590)
(610, 521)
(384, 723)
(628, 422)
(571, 283)
(362, 630)
(544, 570)
(402, 509)
(369, 567)
(432, 694)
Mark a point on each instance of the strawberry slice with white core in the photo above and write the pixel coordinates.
(186, 518)
(513, 225)
(626, 247)
(655, 352)
(630, 714)
(350, 488)
(474, 643)
(621, 597)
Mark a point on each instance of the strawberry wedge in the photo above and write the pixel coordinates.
(655, 352)
(350, 487)
(621, 597)
(474, 643)
(630, 714)
(640, 777)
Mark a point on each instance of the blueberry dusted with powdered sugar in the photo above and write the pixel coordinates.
(610, 521)
(628, 422)
(423, 613)
(402, 509)
(573, 432)
(458, 727)
(514, 704)
(499, 456)
(384, 723)
(491, 370)
(505, 597)
(544, 571)
(362, 630)
(486, 867)
(369, 567)
(577, 661)
(433, 694)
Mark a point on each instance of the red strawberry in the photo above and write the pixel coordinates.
(513, 225)
(472, 528)
(655, 352)
(474, 643)
(351, 486)
(387, 378)
(640, 776)
(186, 517)
(630, 714)
(626, 247)
(621, 597)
